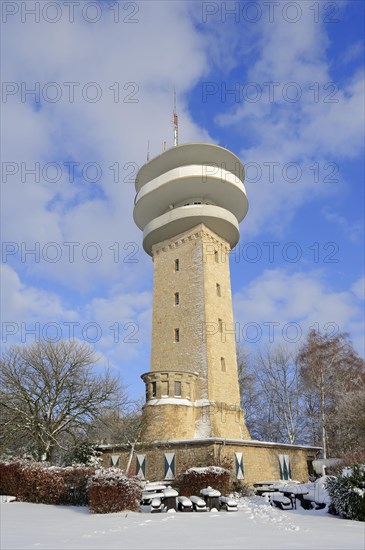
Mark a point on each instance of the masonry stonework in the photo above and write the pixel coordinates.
(260, 460)
(203, 358)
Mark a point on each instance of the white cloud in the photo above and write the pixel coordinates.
(358, 288)
(354, 230)
(301, 299)
(354, 51)
(26, 303)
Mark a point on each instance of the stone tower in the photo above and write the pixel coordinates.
(190, 200)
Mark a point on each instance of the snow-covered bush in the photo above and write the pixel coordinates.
(347, 492)
(37, 482)
(192, 480)
(109, 490)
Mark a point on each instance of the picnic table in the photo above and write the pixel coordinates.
(294, 492)
(281, 493)
(211, 497)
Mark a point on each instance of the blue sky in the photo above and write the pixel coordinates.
(280, 84)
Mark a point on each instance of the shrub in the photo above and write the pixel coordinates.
(36, 482)
(84, 454)
(109, 490)
(347, 492)
(193, 480)
(242, 489)
(10, 478)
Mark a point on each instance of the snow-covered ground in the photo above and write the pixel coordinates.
(255, 525)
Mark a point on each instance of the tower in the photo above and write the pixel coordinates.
(189, 202)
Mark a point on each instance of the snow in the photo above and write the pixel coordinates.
(169, 492)
(170, 401)
(203, 439)
(202, 429)
(209, 492)
(185, 501)
(206, 470)
(256, 525)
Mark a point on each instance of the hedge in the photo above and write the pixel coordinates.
(109, 490)
(35, 482)
(193, 480)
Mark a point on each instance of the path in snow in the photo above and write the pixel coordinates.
(255, 526)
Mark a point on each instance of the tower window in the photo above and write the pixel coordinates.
(154, 389)
(216, 256)
(220, 325)
(218, 288)
(177, 265)
(177, 298)
(223, 364)
(177, 389)
(177, 335)
(164, 388)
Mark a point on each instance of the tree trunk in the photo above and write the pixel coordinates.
(323, 419)
(130, 458)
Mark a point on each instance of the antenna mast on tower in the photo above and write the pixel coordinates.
(176, 135)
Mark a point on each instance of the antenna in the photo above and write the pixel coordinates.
(148, 150)
(176, 135)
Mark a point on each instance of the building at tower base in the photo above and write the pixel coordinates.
(248, 461)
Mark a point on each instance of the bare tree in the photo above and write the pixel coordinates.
(329, 367)
(277, 372)
(127, 427)
(250, 392)
(50, 392)
(271, 395)
(350, 418)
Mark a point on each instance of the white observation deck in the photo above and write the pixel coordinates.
(187, 185)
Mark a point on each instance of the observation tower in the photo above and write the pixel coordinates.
(189, 203)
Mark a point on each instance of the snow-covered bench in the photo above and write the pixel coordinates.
(228, 504)
(276, 498)
(199, 504)
(184, 504)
